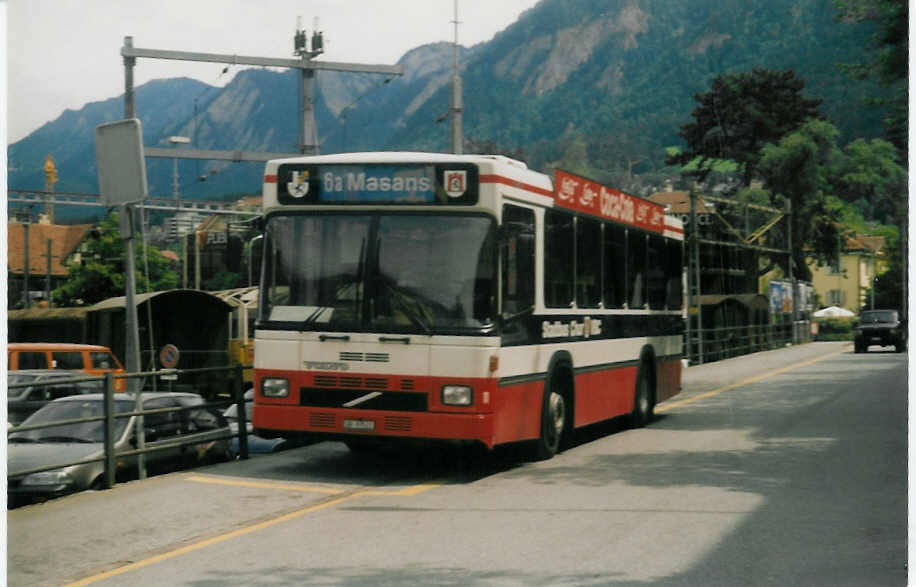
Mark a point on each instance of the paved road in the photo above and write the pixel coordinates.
(780, 468)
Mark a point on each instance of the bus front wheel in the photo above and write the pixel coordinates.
(553, 424)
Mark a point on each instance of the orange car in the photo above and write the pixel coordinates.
(91, 359)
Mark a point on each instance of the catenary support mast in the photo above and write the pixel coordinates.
(306, 63)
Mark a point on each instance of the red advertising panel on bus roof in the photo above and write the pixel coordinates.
(584, 195)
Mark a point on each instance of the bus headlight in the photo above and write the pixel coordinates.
(457, 395)
(274, 387)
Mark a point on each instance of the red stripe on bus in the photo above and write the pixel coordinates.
(270, 179)
(515, 184)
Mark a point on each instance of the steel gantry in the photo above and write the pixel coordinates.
(306, 64)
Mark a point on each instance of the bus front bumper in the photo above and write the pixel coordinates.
(285, 420)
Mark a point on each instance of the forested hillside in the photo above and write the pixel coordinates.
(604, 83)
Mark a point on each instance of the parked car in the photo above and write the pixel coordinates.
(91, 359)
(881, 327)
(21, 402)
(256, 444)
(199, 426)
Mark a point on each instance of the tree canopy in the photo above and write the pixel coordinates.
(798, 169)
(889, 57)
(740, 114)
(100, 275)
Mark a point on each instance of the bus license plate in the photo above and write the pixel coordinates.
(361, 425)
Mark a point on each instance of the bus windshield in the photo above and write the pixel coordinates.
(381, 272)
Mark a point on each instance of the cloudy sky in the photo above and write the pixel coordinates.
(62, 54)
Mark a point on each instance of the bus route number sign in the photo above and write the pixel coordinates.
(168, 356)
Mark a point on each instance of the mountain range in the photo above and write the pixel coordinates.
(618, 76)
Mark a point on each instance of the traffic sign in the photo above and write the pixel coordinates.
(168, 356)
(119, 158)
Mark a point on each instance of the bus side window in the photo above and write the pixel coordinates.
(657, 272)
(559, 244)
(674, 296)
(588, 262)
(518, 259)
(615, 266)
(636, 268)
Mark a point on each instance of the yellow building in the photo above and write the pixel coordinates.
(846, 281)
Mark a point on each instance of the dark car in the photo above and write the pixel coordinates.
(46, 385)
(880, 327)
(256, 444)
(203, 428)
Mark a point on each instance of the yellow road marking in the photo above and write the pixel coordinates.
(406, 492)
(263, 484)
(664, 407)
(331, 501)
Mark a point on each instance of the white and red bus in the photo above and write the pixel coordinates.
(451, 297)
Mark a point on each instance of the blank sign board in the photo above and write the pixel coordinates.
(119, 155)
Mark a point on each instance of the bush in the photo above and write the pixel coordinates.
(835, 328)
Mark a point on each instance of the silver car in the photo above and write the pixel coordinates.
(49, 384)
(199, 426)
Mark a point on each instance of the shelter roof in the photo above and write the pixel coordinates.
(121, 301)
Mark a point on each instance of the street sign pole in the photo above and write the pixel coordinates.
(132, 340)
(122, 182)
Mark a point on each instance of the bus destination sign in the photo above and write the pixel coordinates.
(584, 195)
(375, 183)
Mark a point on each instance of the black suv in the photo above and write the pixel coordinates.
(883, 327)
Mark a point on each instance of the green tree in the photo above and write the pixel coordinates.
(574, 158)
(889, 286)
(889, 50)
(871, 179)
(223, 280)
(740, 114)
(100, 274)
(888, 64)
(799, 168)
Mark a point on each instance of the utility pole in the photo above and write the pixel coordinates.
(456, 106)
(48, 276)
(308, 134)
(790, 267)
(26, 301)
(308, 139)
(694, 288)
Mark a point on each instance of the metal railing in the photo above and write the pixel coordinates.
(727, 342)
(109, 417)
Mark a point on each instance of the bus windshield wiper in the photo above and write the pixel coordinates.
(417, 318)
(409, 306)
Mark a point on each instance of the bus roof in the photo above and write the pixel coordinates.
(493, 169)
(397, 157)
(566, 190)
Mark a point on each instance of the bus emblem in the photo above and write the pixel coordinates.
(299, 186)
(456, 183)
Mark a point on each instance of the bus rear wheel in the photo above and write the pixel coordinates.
(643, 405)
